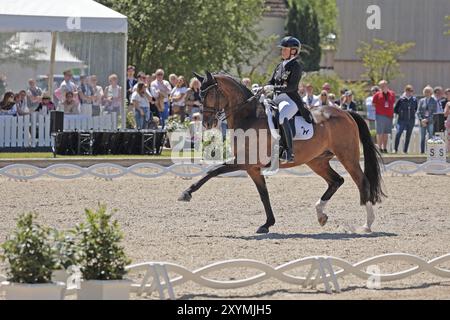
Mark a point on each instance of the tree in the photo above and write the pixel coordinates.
(13, 51)
(380, 59)
(303, 23)
(186, 35)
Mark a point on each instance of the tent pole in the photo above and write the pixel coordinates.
(124, 109)
(52, 63)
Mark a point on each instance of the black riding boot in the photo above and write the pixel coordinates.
(288, 155)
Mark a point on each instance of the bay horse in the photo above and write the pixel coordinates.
(336, 133)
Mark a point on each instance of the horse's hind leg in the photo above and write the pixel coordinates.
(187, 194)
(260, 182)
(322, 167)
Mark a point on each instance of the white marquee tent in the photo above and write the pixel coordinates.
(62, 16)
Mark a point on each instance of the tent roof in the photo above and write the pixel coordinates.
(59, 16)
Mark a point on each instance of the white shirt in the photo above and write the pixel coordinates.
(178, 92)
(163, 88)
(314, 99)
(285, 62)
(142, 101)
(319, 104)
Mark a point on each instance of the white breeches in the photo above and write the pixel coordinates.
(288, 108)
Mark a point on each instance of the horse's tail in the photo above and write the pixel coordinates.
(372, 160)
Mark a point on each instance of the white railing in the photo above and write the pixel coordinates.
(34, 130)
(109, 171)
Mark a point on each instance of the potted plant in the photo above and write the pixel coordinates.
(64, 249)
(29, 254)
(101, 259)
(174, 124)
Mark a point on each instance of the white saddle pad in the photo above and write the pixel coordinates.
(303, 129)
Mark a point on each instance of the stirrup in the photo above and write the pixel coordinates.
(287, 158)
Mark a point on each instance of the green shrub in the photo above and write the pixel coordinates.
(64, 249)
(100, 256)
(29, 252)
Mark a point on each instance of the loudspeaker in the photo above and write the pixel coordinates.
(56, 121)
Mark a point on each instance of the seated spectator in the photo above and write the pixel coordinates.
(348, 104)
(113, 95)
(46, 102)
(7, 105)
(70, 106)
(193, 100)
(86, 91)
(177, 97)
(34, 95)
(405, 108)
(428, 106)
(140, 100)
(324, 100)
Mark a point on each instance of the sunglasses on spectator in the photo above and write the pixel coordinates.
(324, 95)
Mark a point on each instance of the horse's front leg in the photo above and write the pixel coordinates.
(225, 168)
(260, 182)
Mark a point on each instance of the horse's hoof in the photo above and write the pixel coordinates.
(185, 197)
(323, 220)
(366, 229)
(262, 230)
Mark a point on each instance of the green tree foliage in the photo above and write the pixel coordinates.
(327, 14)
(13, 51)
(303, 23)
(187, 35)
(380, 58)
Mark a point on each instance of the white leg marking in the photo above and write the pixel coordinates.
(370, 217)
(321, 216)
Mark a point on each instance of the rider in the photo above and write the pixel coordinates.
(284, 83)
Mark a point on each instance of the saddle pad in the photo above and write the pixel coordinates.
(303, 129)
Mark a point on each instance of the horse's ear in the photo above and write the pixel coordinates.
(209, 77)
(199, 77)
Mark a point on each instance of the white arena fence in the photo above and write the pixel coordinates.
(317, 270)
(109, 171)
(33, 130)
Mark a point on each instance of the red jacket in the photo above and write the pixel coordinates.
(381, 107)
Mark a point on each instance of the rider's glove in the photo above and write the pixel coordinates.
(269, 88)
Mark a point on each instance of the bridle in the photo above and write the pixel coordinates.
(217, 110)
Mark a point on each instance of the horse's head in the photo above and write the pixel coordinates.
(223, 97)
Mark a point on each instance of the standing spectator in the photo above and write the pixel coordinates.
(113, 95)
(173, 79)
(247, 82)
(342, 97)
(348, 104)
(310, 99)
(70, 105)
(162, 89)
(439, 96)
(7, 105)
(332, 98)
(427, 108)
(141, 103)
(34, 95)
(193, 100)
(131, 82)
(447, 123)
(86, 91)
(327, 87)
(67, 85)
(302, 90)
(445, 99)
(140, 79)
(98, 94)
(406, 108)
(22, 103)
(46, 102)
(324, 100)
(371, 108)
(384, 112)
(177, 98)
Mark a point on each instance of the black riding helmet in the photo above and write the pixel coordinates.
(290, 42)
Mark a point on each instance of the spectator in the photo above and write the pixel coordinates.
(310, 99)
(324, 100)
(327, 87)
(97, 98)
(348, 104)
(384, 112)
(131, 82)
(67, 85)
(34, 95)
(113, 95)
(371, 108)
(70, 105)
(7, 105)
(141, 104)
(332, 98)
(302, 90)
(445, 100)
(161, 89)
(178, 98)
(193, 100)
(439, 96)
(22, 103)
(342, 97)
(427, 108)
(86, 91)
(46, 102)
(247, 82)
(405, 108)
(140, 79)
(447, 123)
(173, 79)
